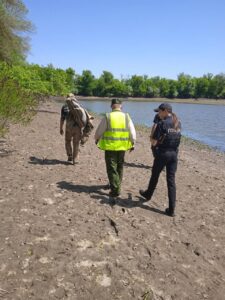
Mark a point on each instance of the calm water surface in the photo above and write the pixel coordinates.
(204, 123)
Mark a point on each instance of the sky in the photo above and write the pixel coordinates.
(129, 37)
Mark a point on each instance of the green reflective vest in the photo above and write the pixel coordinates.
(117, 135)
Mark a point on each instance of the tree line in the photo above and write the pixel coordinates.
(208, 86)
(23, 84)
(44, 81)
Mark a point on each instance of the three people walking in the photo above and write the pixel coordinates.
(116, 134)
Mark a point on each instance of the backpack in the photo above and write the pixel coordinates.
(82, 118)
(77, 112)
(170, 139)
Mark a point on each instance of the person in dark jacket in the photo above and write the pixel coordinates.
(166, 140)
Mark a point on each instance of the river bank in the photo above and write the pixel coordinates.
(191, 101)
(62, 239)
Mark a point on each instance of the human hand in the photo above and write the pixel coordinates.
(131, 149)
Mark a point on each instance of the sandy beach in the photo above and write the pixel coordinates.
(61, 238)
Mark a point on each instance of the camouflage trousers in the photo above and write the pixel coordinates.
(114, 166)
(72, 141)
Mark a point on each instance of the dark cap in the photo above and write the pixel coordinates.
(116, 101)
(164, 106)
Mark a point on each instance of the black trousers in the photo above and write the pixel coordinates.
(166, 159)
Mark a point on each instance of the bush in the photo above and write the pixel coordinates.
(16, 103)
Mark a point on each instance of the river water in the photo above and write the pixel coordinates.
(202, 122)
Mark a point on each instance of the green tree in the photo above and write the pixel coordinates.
(70, 78)
(99, 88)
(220, 85)
(86, 83)
(13, 24)
(201, 87)
(16, 103)
(185, 86)
(164, 87)
(138, 86)
(107, 77)
(103, 85)
(118, 89)
(173, 93)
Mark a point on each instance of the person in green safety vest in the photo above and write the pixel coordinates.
(115, 135)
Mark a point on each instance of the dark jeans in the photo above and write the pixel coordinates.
(166, 159)
(114, 166)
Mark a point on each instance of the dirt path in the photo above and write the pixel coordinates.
(60, 238)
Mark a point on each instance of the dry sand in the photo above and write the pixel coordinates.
(60, 237)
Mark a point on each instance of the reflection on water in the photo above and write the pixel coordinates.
(205, 123)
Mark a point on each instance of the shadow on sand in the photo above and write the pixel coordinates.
(133, 165)
(45, 161)
(64, 185)
(95, 192)
(45, 111)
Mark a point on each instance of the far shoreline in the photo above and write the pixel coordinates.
(175, 100)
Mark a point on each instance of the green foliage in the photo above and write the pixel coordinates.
(70, 80)
(22, 85)
(13, 24)
(16, 100)
(106, 77)
(118, 89)
(201, 87)
(186, 86)
(138, 86)
(16, 103)
(86, 83)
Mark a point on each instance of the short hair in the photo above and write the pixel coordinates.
(116, 101)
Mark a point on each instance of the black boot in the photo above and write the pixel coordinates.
(145, 195)
(169, 213)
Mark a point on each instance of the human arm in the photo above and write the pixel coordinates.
(100, 130)
(132, 133)
(155, 122)
(154, 142)
(62, 119)
(61, 126)
(157, 134)
(152, 132)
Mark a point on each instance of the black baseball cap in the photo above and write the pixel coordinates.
(164, 106)
(116, 101)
